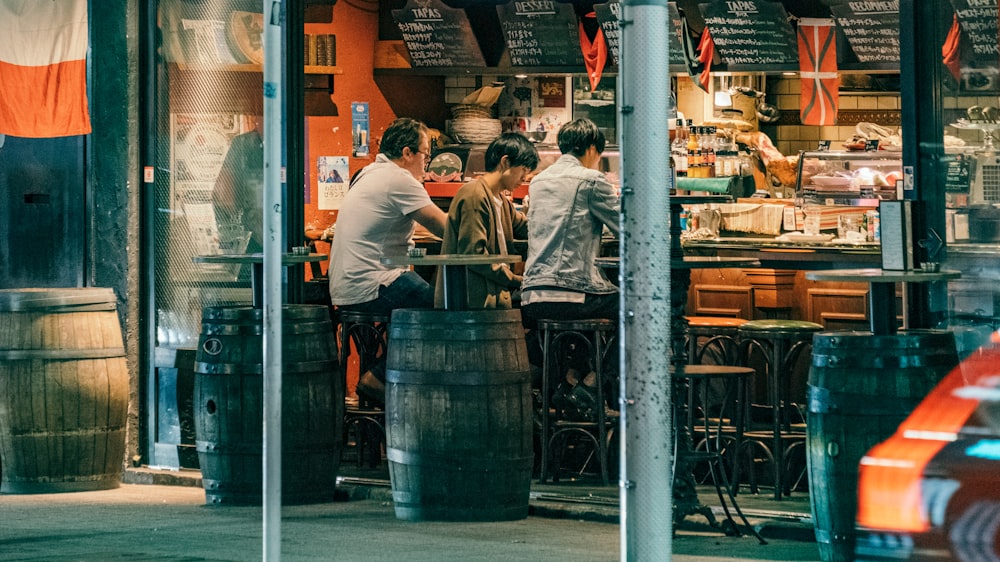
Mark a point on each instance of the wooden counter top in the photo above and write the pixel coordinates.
(789, 255)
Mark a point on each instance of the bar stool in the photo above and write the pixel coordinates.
(721, 333)
(367, 332)
(779, 342)
(712, 430)
(560, 429)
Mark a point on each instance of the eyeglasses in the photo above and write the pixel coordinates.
(427, 158)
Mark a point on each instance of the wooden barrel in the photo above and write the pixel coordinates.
(63, 391)
(458, 415)
(861, 387)
(229, 405)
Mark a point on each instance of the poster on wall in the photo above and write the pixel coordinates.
(332, 174)
(359, 128)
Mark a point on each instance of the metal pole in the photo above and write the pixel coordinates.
(646, 410)
(274, 19)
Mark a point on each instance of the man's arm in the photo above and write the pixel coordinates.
(605, 205)
(432, 218)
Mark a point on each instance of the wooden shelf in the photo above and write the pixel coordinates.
(311, 69)
(207, 67)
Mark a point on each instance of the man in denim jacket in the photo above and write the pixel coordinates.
(571, 203)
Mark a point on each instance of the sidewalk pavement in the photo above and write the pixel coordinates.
(161, 515)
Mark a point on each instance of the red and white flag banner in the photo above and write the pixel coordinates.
(43, 68)
(818, 70)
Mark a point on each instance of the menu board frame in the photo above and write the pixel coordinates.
(751, 34)
(541, 33)
(980, 31)
(608, 14)
(437, 36)
(872, 35)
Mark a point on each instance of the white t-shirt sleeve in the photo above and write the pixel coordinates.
(411, 195)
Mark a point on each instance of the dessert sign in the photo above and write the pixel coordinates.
(541, 33)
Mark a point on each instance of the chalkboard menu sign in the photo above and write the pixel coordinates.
(978, 20)
(751, 32)
(436, 35)
(541, 33)
(871, 28)
(609, 14)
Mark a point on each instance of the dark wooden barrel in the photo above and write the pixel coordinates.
(861, 387)
(63, 391)
(229, 405)
(458, 415)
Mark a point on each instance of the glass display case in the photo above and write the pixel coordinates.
(852, 178)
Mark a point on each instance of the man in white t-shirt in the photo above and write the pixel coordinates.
(377, 218)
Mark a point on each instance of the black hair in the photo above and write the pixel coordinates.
(403, 132)
(578, 135)
(516, 147)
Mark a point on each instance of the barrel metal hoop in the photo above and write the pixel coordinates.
(256, 329)
(882, 361)
(203, 368)
(60, 354)
(455, 462)
(819, 400)
(446, 334)
(465, 378)
(823, 401)
(43, 301)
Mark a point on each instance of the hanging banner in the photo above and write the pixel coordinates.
(43, 72)
(818, 71)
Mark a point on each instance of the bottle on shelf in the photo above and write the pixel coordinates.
(707, 142)
(693, 154)
(678, 150)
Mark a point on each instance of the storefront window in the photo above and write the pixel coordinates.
(956, 83)
(209, 154)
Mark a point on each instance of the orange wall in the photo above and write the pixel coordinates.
(356, 32)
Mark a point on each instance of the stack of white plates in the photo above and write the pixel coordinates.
(474, 130)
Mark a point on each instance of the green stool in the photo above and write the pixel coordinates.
(780, 342)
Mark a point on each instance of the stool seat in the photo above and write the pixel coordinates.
(713, 372)
(715, 321)
(714, 336)
(364, 317)
(773, 328)
(602, 324)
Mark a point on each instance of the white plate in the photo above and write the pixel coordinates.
(830, 181)
(802, 237)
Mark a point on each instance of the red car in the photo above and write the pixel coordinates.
(932, 490)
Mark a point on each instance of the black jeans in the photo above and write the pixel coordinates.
(594, 306)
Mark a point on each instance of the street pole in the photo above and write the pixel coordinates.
(646, 434)
(274, 20)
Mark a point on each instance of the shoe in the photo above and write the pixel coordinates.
(560, 396)
(583, 400)
(371, 389)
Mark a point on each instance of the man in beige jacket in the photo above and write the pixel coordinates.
(481, 220)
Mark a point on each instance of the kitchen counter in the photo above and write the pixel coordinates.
(789, 255)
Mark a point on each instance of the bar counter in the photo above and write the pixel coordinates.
(789, 255)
